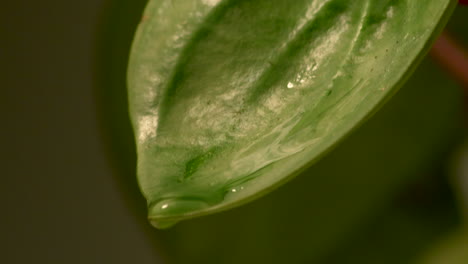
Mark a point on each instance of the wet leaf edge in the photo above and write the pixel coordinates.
(406, 74)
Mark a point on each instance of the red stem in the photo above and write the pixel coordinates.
(452, 57)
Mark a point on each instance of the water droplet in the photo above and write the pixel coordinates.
(168, 212)
(234, 190)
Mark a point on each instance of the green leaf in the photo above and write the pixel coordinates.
(230, 99)
(347, 194)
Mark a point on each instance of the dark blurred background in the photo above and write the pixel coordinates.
(63, 204)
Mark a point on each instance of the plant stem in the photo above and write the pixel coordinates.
(451, 55)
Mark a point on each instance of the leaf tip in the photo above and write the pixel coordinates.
(168, 212)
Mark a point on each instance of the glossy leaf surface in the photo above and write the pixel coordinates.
(229, 99)
(343, 208)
